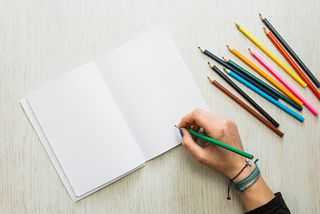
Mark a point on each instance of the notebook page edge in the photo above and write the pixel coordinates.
(36, 126)
(45, 142)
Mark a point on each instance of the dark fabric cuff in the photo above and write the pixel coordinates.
(275, 206)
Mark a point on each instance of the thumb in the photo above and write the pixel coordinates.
(192, 146)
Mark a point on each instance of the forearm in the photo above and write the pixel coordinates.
(256, 195)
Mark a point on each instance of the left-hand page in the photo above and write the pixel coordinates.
(85, 130)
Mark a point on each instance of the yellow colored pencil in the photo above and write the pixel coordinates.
(271, 55)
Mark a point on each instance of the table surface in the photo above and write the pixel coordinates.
(42, 40)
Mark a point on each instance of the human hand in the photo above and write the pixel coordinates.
(220, 159)
(213, 156)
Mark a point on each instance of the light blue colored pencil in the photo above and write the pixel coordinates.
(266, 96)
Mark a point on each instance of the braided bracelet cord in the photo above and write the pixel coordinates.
(230, 182)
(253, 176)
(244, 188)
(248, 175)
(247, 179)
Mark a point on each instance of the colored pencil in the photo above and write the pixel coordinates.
(223, 63)
(284, 82)
(246, 107)
(289, 49)
(223, 145)
(290, 60)
(244, 95)
(247, 73)
(271, 55)
(266, 76)
(266, 96)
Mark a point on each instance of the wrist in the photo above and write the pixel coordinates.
(239, 165)
(244, 173)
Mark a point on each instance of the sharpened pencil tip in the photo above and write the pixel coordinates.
(209, 63)
(264, 28)
(259, 14)
(176, 126)
(211, 80)
(201, 49)
(227, 45)
(249, 49)
(235, 23)
(226, 70)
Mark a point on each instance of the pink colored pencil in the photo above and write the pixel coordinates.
(285, 83)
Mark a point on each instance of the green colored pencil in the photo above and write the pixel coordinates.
(223, 145)
(248, 74)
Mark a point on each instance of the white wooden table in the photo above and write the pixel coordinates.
(42, 40)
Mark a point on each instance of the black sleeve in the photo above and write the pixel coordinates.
(275, 206)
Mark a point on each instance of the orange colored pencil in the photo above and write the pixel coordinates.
(266, 76)
(294, 65)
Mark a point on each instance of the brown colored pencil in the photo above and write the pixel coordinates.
(246, 107)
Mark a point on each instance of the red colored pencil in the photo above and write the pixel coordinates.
(293, 64)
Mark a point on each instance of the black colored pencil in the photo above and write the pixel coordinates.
(244, 95)
(289, 49)
(226, 65)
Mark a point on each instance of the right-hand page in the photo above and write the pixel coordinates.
(152, 88)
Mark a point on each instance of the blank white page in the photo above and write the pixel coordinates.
(85, 129)
(153, 89)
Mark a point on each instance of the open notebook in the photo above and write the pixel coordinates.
(105, 119)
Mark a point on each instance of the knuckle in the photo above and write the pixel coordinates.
(220, 132)
(227, 124)
(183, 119)
(201, 158)
(197, 112)
(185, 143)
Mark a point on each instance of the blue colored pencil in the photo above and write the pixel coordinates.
(266, 96)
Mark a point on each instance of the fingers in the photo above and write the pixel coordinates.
(198, 152)
(207, 144)
(215, 127)
(197, 116)
(195, 128)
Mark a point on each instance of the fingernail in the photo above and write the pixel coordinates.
(181, 132)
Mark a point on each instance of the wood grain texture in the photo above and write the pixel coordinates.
(42, 40)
